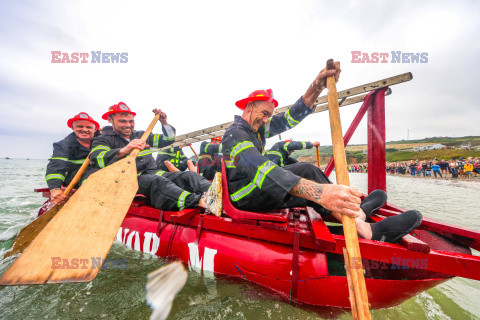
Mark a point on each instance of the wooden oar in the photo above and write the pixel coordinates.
(360, 299)
(193, 150)
(73, 246)
(28, 233)
(318, 158)
(348, 271)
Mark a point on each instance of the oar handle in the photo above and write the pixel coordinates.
(196, 155)
(77, 176)
(318, 157)
(146, 134)
(349, 226)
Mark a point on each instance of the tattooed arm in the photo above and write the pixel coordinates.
(337, 198)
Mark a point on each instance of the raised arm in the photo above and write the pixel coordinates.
(319, 84)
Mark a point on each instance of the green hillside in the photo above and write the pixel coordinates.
(401, 150)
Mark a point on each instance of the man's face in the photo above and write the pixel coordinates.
(123, 124)
(83, 130)
(258, 113)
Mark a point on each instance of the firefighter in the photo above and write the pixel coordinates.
(256, 183)
(173, 159)
(210, 157)
(69, 154)
(281, 151)
(166, 190)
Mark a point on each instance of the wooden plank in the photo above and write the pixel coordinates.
(412, 243)
(322, 234)
(320, 106)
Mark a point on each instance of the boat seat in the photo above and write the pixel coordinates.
(237, 214)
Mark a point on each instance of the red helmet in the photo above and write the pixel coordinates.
(118, 108)
(256, 95)
(83, 116)
(217, 138)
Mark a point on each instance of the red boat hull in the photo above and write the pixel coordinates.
(265, 263)
(300, 257)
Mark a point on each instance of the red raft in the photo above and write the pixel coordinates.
(294, 252)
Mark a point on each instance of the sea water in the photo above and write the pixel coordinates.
(119, 293)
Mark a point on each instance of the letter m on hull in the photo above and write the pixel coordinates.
(199, 264)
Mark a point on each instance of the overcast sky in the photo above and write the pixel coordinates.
(194, 59)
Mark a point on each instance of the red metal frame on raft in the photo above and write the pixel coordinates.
(377, 175)
(374, 103)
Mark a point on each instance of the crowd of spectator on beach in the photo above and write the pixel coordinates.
(455, 168)
(362, 168)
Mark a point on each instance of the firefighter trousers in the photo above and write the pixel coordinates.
(261, 201)
(188, 180)
(173, 191)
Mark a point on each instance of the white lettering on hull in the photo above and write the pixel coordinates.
(135, 245)
(205, 263)
(131, 239)
(151, 243)
(119, 235)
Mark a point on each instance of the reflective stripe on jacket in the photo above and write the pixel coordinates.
(209, 160)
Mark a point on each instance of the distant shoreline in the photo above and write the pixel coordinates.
(475, 179)
(4, 158)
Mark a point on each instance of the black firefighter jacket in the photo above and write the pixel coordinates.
(249, 172)
(105, 149)
(175, 155)
(68, 156)
(209, 159)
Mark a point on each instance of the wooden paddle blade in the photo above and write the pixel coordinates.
(28, 233)
(162, 287)
(73, 246)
